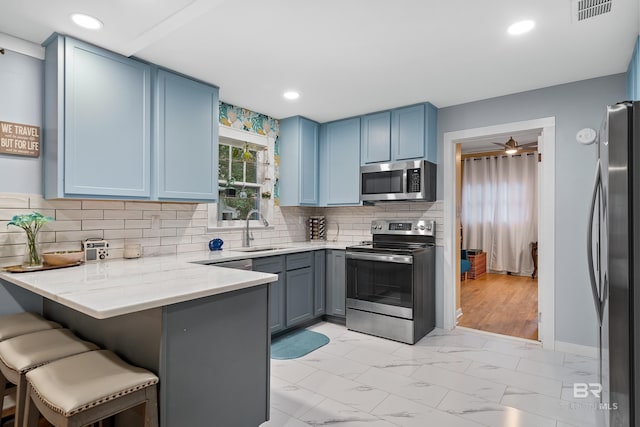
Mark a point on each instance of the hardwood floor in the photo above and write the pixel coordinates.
(502, 304)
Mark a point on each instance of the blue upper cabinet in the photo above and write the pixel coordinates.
(431, 133)
(97, 122)
(186, 138)
(376, 137)
(407, 132)
(298, 162)
(401, 134)
(633, 74)
(340, 162)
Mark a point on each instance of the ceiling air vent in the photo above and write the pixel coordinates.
(586, 9)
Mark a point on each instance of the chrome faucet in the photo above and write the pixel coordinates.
(248, 236)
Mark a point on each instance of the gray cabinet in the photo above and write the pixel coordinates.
(319, 282)
(299, 288)
(274, 265)
(336, 283)
(298, 294)
(299, 306)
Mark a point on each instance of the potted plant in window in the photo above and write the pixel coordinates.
(229, 190)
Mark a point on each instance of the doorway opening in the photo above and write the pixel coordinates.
(496, 189)
(486, 289)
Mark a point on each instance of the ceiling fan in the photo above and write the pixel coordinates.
(512, 147)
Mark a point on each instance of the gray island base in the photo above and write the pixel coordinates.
(211, 353)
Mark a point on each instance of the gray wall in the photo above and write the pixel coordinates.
(575, 106)
(21, 94)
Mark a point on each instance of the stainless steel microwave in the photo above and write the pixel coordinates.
(411, 180)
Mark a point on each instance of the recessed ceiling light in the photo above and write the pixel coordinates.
(86, 21)
(291, 94)
(521, 27)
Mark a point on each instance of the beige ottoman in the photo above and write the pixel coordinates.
(87, 388)
(20, 354)
(14, 325)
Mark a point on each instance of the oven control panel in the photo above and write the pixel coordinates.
(406, 227)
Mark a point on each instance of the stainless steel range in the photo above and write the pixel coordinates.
(391, 282)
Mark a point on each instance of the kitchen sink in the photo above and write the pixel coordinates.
(258, 249)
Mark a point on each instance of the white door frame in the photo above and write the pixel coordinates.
(546, 220)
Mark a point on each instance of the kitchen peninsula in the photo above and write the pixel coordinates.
(203, 329)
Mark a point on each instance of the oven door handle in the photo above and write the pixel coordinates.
(398, 259)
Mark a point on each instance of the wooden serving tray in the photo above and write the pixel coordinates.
(19, 269)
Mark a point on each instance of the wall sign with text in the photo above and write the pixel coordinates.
(19, 139)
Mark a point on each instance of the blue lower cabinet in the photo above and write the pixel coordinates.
(186, 138)
(300, 291)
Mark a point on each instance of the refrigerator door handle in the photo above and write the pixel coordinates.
(592, 275)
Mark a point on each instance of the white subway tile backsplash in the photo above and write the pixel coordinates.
(178, 240)
(143, 206)
(179, 206)
(7, 214)
(191, 215)
(193, 230)
(101, 204)
(182, 227)
(70, 214)
(39, 203)
(159, 214)
(123, 234)
(175, 223)
(15, 201)
(78, 236)
(161, 232)
(104, 224)
(122, 214)
(63, 226)
(137, 223)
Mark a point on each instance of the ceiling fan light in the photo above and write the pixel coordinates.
(511, 146)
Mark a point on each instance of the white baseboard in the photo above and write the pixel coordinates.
(581, 350)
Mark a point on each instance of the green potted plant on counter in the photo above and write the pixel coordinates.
(31, 224)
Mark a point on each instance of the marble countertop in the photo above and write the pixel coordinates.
(122, 286)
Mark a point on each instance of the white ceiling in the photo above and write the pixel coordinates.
(349, 57)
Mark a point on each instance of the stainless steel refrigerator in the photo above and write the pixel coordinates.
(613, 254)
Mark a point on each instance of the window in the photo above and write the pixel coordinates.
(245, 179)
(239, 188)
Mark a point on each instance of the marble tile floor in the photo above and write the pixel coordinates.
(449, 379)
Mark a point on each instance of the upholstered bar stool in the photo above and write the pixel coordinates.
(20, 354)
(86, 388)
(13, 325)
